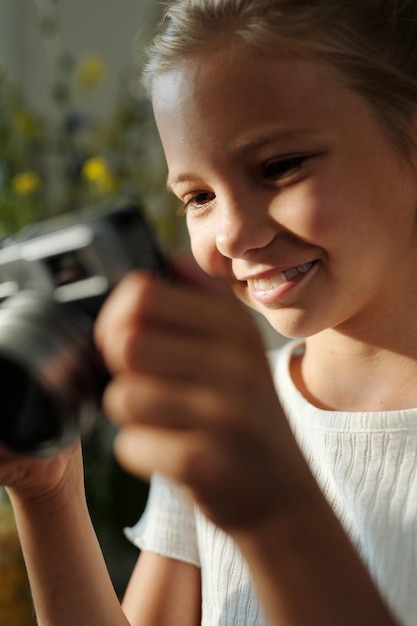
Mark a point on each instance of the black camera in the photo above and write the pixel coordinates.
(54, 278)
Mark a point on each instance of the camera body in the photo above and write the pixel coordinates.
(54, 278)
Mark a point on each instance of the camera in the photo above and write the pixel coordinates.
(54, 278)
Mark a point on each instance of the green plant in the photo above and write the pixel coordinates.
(63, 162)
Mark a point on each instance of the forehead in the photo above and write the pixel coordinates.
(228, 95)
(229, 66)
(214, 80)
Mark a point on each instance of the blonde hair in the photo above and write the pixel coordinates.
(372, 42)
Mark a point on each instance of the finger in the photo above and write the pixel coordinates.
(178, 355)
(143, 450)
(240, 400)
(141, 301)
(130, 398)
(6, 454)
(174, 405)
(141, 297)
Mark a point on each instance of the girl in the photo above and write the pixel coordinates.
(284, 489)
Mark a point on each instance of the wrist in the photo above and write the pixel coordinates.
(298, 553)
(50, 483)
(285, 526)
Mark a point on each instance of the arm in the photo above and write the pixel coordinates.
(163, 592)
(194, 399)
(307, 571)
(69, 580)
(67, 573)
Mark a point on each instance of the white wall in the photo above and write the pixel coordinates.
(107, 27)
(11, 47)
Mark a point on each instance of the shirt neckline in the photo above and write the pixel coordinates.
(298, 408)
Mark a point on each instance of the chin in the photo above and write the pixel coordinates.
(293, 324)
(289, 322)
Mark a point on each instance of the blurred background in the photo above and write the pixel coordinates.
(76, 129)
(75, 126)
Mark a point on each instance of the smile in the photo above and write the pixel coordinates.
(265, 284)
(276, 288)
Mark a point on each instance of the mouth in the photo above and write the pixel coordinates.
(290, 275)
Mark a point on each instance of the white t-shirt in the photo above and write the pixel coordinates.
(366, 465)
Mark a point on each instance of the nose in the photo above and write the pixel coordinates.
(243, 225)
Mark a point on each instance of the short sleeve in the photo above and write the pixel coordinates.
(167, 526)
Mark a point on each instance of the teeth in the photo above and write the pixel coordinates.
(267, 283)
(296, 271)
(303, 269)
(290, 274)
(263, 284)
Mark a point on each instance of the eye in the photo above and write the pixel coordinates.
(196, 201)
(277, 169)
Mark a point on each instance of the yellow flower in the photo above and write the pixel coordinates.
(26, 183)
(96, 171)
(90, 71)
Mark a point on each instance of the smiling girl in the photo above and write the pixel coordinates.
(284, 486)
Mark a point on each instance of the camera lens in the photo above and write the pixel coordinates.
(50, 374)
(22, 399)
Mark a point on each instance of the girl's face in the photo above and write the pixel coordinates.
(292, 190)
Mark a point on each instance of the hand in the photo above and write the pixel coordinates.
(35, 478)
(193, 395)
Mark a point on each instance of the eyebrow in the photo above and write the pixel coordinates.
(247, 145)
(181, 178)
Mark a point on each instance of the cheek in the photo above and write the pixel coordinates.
(317, 214)
(204, 249)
